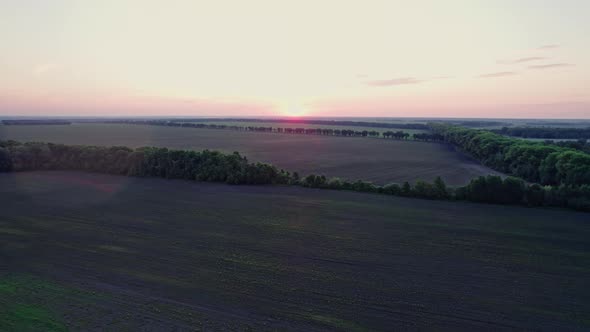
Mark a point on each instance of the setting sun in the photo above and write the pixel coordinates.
(294, 110)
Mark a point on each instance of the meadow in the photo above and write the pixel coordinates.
(96, 252)
(370, 159)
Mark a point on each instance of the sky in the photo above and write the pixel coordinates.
(367, 58)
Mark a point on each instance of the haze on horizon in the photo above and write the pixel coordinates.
(490, 59)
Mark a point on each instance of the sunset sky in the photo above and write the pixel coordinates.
(521, 59)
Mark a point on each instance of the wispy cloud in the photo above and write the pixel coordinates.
(551, 65)
(395, 81)
(499, 74)
(547, 47)
(521, 60)
(44, 68)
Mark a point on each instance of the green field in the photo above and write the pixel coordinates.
(97, 252)
(370, 159)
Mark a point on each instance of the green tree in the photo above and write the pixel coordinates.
(335, 183)
(392, 189)
(423, 189)
(535, 195)
(440, 188)
(5, 161)
(406, 189)
(513, 190)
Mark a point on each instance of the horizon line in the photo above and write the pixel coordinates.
(279, 117)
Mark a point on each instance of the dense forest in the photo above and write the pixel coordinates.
(545, 132)
(548, 164)
(34, 122)
(580, 145)
(233, 168)
(564, 171)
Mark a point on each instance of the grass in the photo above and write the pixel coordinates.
(29, 318)
(20, 308)
(183, 255)
(378, 160)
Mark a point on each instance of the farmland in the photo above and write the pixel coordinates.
(306, 125)
(370, 159)
(87, 251)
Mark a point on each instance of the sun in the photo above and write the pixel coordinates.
(293, 110)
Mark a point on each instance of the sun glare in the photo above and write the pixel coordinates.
(293, 110)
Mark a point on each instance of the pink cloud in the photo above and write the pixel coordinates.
(499, 74)
(521, 60)
(547, 47)
(552, 65)
(395, 81)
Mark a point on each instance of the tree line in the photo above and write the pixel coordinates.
(483, 189)
(34, 122)
(565, 171)
(470, 123)
(213, 166)
(304, 131)
(545, 132)
(348, 123)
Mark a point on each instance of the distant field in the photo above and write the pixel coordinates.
(97, 252)
(312, 126)
(546, 139)
(540, 123)
(370, 159)
(542, 139)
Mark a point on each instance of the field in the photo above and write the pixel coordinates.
(370, 159)
(98, 252)
(545, 139)
(313, 126)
